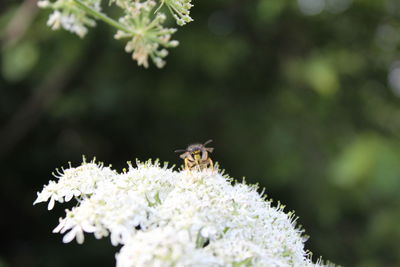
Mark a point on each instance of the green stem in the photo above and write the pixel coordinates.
(101, 16)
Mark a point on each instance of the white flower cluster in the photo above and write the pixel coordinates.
(69, 16)
(180, 9)
(146, 35)
(138, 22)
(162, 217)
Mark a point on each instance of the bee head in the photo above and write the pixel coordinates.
(195, 149)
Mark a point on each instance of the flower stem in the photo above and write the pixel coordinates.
(101, 16)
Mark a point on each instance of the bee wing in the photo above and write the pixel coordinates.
(210, 149)
(204, 154)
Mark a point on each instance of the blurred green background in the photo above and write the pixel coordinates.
(301, 96)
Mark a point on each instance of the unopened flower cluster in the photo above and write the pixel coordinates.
(163, 217)
(141, 22)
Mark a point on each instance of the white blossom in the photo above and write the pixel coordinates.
(69, 16)
(163, 217)
(180, 10)
(147, 36)
(137, 22)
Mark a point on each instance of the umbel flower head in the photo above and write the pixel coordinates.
(163, 217)
(139, 22)
(69, 16)
(147, 37)
(180, 9)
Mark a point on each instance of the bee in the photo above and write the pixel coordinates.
(196, 156)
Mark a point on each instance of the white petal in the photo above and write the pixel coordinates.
(68, 237)
(59, 227)
(79, 236)
(51, 204)
(68, 196)
(87, 227)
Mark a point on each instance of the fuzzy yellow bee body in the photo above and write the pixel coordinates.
(196, 156)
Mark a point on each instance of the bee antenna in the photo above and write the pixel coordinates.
(180, 150)
(206, 143)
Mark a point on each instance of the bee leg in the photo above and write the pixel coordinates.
(197, 163)
(187, 164)
(211, 164)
